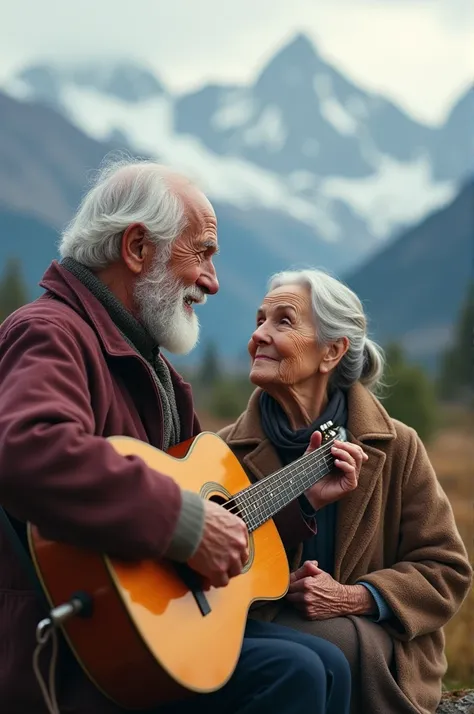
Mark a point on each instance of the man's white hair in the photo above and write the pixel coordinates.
(339, 313)
(125, 191)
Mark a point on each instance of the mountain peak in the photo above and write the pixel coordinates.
(301, 39)
(125, 80)
(294, 64)
(299, 48)
(463, 106)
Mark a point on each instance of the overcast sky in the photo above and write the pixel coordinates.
(418, 52)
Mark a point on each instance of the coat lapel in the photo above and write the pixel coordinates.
(262, 460)
(355, 522)
(255, 450)
(368, 426)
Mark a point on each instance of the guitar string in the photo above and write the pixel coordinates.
(306, 458)
(260, 514)
(244, 496)
(289, 471)
(265, 494)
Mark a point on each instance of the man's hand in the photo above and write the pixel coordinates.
(223, 550)
(348, 462)
(319, 597)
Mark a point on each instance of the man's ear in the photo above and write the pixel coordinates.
(135, 248)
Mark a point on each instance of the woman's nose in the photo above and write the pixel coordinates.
(260, 335)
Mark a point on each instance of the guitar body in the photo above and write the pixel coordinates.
(146, 641)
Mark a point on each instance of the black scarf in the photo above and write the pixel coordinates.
(290, 445)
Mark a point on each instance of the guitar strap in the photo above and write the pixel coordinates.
(17, 534)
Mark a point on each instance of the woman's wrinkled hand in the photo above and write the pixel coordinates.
(316, 594)
(348, 460)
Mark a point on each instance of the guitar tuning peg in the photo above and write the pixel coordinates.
(342, 433)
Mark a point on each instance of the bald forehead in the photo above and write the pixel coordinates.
(192, 197)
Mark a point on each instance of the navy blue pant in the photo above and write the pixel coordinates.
(280, 671)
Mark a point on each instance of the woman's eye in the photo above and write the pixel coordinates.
(285, 320)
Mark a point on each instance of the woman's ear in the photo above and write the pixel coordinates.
(333, 354)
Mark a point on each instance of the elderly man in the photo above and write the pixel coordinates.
(83, 362)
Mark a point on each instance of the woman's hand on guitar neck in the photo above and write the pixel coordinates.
(223, 550)
(348, 462)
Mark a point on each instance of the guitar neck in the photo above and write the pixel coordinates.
(264, 499)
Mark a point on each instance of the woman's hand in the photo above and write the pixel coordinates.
(319, 597)
(348, 461)
(315, 593)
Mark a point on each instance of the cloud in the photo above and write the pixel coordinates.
(415, 51)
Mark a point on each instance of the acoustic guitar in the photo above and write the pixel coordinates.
(150, 632)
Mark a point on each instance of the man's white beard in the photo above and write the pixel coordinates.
(160, 300)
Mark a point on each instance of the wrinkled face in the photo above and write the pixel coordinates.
(283, 348)
(166, 295)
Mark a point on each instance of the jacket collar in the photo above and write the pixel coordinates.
(367, 419)
(61, 284)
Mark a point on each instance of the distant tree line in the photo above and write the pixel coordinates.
(410, 394)
(13, 290)
(456, 375)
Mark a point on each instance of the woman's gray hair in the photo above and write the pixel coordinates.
(338, 313)
(125, 191)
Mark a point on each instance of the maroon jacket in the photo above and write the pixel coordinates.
(68, 379)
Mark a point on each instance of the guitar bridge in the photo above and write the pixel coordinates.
(192, 581)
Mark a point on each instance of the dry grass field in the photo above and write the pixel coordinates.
(452, 454)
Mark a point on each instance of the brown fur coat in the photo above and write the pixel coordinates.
(396, 531)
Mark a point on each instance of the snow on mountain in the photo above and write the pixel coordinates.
(302, 141)
(317, 120)
(147, 127)
(124, 80)
(378, 199)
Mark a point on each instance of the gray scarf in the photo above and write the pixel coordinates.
(137, 337)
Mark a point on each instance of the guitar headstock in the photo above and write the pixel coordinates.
(331, 432)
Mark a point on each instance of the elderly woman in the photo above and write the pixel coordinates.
(380, 572)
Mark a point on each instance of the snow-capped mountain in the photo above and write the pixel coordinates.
(301, 146)
(301, 114)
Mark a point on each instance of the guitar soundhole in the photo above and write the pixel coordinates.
(219, 499)
(215, 492)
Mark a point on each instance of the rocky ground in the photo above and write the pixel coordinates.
(458, 702)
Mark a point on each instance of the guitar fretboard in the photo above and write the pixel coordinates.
(262, 500)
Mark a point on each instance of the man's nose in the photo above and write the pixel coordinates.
(208, 281)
